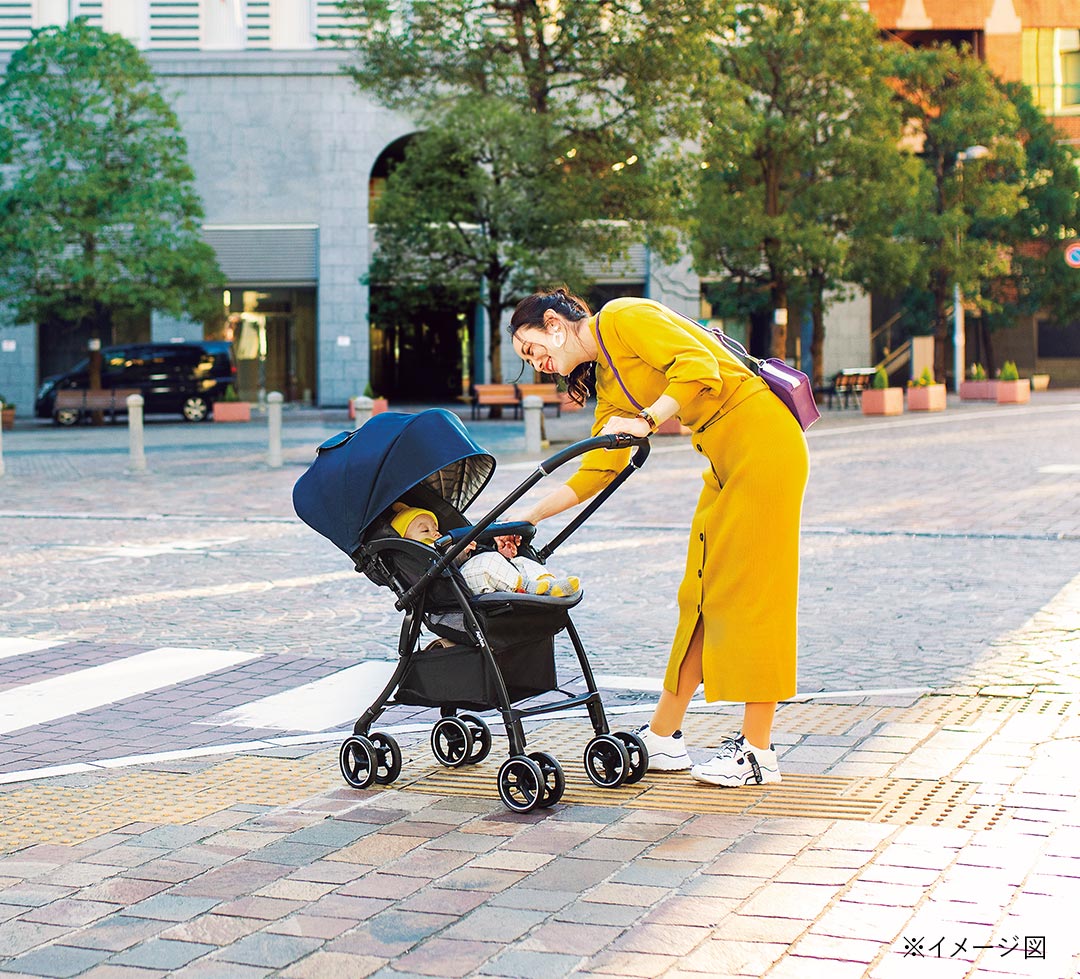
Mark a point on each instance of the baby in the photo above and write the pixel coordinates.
(487, 571)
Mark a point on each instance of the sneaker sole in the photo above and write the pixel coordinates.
(660, 766)
(735, 783)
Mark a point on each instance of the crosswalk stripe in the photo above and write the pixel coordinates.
(18, 647)
(336, 699)
(96, 686)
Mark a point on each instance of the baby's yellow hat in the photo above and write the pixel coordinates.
(406, 515)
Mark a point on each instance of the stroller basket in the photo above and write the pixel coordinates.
(494, 650)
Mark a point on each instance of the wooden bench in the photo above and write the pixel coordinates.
(849, 384)
(548, 393)
(495, 396)
(110, 400)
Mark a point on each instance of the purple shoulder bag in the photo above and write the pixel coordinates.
(791, 386)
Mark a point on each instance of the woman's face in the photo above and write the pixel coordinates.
(546, 349)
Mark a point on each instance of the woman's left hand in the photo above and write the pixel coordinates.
(633, 425)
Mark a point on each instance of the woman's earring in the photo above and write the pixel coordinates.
(558, 338)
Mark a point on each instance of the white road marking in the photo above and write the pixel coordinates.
(17, 647)
(181, 546)
(71, 693)
(1061, 469)
(333, 700)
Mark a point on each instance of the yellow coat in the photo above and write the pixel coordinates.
(742, 563)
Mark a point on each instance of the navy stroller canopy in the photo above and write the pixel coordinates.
(357, 475)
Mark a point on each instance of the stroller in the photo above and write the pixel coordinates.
(491, 651)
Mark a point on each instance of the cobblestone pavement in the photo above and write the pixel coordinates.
(178, 655)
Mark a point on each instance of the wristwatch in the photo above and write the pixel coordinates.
(647, 415)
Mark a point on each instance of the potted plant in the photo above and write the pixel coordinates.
(1011, 388)
(377, 404)
(7, 414)
(925, 394)
(1040, 382)
(880, 399)
(231, 408)
(977, 387)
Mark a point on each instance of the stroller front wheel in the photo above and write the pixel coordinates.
(554, 779)
(387, 757)
(481, 737)
(358, 761)
(452, 741)
(607, 762)
(639, 756)
(521, 784)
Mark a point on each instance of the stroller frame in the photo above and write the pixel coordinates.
(527, 780)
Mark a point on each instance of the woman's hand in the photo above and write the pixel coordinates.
(634, 425)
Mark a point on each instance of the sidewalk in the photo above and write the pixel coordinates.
(928, 830)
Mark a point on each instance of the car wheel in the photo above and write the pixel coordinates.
(66, 416)
(196, 409)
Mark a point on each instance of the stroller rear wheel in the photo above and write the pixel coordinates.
(521, 784)
(607, 762)
(639, 756)
(452, 741)
(554, 780)
(481, 737)
(358, 761)
(387, 758)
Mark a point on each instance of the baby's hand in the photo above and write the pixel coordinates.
(508, 546)
(469, 548)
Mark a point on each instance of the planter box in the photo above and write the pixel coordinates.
(929, 398)
(8, 419)
(1014, 392)
(232, 411)
(978, 390)
(883, 401)
(1040, 382)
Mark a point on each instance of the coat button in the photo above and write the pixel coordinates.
(699, 574)
(698, 446)
(701, 537)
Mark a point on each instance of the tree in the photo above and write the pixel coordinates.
(952, 101)
(543, 120)
(801, 180)
(98, 211)
(1037, 280)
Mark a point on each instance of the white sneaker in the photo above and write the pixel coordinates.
(665, 754)
(739, 763)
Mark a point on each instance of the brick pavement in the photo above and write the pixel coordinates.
(932, 823)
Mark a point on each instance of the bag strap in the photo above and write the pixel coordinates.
(611, 364)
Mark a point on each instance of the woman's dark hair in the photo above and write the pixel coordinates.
(530, 312)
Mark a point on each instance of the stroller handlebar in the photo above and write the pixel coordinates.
(622, 440)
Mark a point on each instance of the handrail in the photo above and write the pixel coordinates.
(896, 358)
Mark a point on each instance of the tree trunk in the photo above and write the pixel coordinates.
(817, 343)
(779, 330)
(100, 326)
(494, 313)
(988, 347)
(942, 297)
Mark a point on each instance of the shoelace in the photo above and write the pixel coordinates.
(730, 747)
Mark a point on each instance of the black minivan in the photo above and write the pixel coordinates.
(173, 378)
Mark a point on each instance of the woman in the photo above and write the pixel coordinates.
(739, 595)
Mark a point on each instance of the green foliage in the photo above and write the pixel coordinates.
(543, 126)
(881, 379)
(4, 402)
(925, 379)
(953, 102)
(977, 372)
(1009, 371)
(802, 175)
(98, 213)
(230, 394)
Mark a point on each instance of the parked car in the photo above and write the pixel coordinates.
(173, 378)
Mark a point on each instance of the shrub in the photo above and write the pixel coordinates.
(881, 379)
(925, 379)
(1009, 371)
(230, 394)
(977, 372)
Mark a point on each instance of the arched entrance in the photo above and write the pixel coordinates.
(419, 350)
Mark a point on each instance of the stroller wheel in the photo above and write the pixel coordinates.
(521, 784)
(607, 762)
(554, 780)
(387, 758)
(452, 741)
(639, 756)
(358, 761)
(481, 737)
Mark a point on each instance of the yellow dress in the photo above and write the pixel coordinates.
(742, 562)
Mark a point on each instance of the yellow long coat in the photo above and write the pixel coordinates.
(742, 562)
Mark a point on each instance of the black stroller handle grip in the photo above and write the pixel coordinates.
(621, 440)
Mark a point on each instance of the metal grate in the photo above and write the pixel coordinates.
(174, 24)
(258, 24)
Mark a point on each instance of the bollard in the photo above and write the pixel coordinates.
(533, 407)
(273, 455)
(363, 408)
(137, 458)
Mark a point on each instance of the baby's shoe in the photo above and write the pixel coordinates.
(665, 754)
(737, 762)
(556, 587)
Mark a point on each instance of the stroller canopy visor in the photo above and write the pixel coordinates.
(357, 475)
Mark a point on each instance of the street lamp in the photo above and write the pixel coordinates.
(971, 153)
